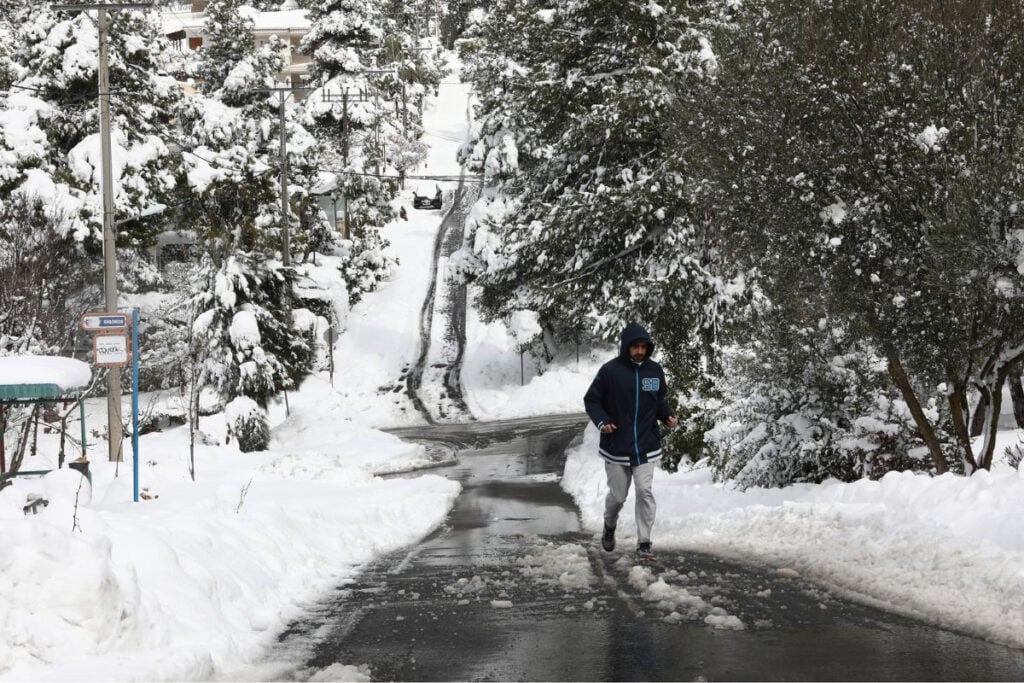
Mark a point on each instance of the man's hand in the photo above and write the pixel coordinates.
(608, 428)
(672, 421)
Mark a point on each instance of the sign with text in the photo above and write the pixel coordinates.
(110, 350)
(98, 322)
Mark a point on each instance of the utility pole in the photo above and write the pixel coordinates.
(115, 435)
(344, 149)
(115, 431)
(286, 259)
(345, 100)
(330, 97)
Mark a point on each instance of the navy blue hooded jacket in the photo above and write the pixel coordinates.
(630, 396)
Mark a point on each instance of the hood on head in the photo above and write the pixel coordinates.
(632, 333)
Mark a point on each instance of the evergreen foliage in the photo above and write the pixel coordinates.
(602, 225)
(806, 402)
(348, 109)
(242, 332)
(51, 206)
(826, 191)
(248, 345)
(248, 424)
(871, 166)
(56, 67)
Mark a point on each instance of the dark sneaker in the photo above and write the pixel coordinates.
(644, 551)
(608, 539)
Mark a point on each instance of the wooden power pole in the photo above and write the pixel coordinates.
(115, 431)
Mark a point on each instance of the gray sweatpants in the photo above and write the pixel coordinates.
(619, 477)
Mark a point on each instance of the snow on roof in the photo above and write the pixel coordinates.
(296, 19)
(41, 376)
(193, 22)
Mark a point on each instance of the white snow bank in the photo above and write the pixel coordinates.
(195, 581)
(493, 375)
(944, 549)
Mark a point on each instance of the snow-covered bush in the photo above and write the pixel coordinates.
(808, 411)
(248, 424)
(243, 334)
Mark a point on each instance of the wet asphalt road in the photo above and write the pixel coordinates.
(510, 588)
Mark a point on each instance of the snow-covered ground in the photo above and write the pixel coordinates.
(382, 339)
(198, 578)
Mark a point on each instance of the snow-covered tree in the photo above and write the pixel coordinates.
(592, 224)
(871, 164)
(803, 401)
(57, 64)
(50, 175)
(348, 109)
(248, 424)
(44, 281)
(250, 348)
(243, 307)
(603, 225)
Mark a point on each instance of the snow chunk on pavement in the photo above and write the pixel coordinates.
(564, 565)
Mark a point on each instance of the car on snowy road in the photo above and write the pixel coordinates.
(427, 196)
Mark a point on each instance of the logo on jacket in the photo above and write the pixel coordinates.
(650, 383)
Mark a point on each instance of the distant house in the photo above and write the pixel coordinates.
(184, 25)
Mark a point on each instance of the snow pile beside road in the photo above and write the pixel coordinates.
(944, 549)
(500, 385)
(197, 580)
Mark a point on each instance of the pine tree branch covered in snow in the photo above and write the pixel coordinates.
(342, 44)
(58, 156)
(602, 227)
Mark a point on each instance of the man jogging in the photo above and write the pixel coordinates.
(625, 401)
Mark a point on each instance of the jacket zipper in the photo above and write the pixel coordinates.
(636, 417)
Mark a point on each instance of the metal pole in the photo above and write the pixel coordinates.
(344, 148)
(405, 111)
(285, 247)
(376, 133)
(344, 126)
(81, 415)
(135, 404)
(114, 431)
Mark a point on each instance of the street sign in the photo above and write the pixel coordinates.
(98, 322)
(110, 350)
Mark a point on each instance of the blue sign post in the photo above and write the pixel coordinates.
(135, 402)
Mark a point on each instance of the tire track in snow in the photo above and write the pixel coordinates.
(434, 383)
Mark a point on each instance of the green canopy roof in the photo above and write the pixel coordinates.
(34, 378)
(27, 392)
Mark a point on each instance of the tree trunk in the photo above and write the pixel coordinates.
(992, 411)
(978, 418)
(1017, 394)
(899, 377)
(957, 401)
